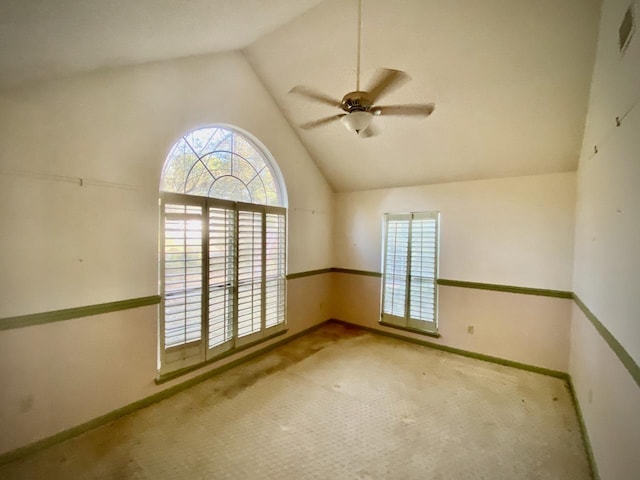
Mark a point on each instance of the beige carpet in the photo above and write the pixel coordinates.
(338, 404)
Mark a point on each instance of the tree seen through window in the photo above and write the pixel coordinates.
(220, 163)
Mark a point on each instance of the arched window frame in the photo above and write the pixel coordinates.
(222, 267)
(258, 148)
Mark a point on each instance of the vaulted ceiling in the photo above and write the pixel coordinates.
(509, 78)
(45, 38)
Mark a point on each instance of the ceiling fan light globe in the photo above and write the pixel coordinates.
(357, 121)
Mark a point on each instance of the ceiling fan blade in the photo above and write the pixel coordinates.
(311, 94)
(322, 121)
(384, 81)
(411, 110)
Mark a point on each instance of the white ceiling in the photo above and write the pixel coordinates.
(46, 38)
(510, 78)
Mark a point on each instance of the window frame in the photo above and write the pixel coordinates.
(406, 322)
(253, 141)
(197, 352)
(266, 298)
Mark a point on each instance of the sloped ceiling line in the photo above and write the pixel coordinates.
(510, 79)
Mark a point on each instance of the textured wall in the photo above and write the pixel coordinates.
(514, 231)
(523, 328)
(59, 375)
(607, 263)
(64, 245)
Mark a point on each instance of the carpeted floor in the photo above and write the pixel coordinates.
(338, 404)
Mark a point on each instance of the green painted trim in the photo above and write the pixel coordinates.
(21, 321)
(595, 475)
(145, 402)
(481, 286)
(357, 272)
(166, 377)
(293, 276)
(458, 351)
(624, 357)
(506, 288)
(412, 330)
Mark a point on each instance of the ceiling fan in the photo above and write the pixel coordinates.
(359, 107)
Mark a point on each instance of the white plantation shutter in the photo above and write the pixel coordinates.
(410, 268)
(223, 276)
(423, 266)
(395, 265)
(182, 272)
(261, 270)
(275, 271)
(221, 268)
(250, 272)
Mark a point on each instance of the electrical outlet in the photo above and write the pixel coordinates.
(470, 329)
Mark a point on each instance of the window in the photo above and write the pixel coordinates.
(410, 270)
(222, 247)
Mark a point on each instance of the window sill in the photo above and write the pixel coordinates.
(165, 377)
(412, 330)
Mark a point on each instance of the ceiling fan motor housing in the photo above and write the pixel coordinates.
(355, 102)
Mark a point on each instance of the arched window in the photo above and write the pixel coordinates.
(223, 246)
(221, 162)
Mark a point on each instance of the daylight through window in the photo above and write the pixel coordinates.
(410, 270)
(223, 246)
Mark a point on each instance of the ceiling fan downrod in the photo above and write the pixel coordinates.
(359, 107)
(359, 47)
